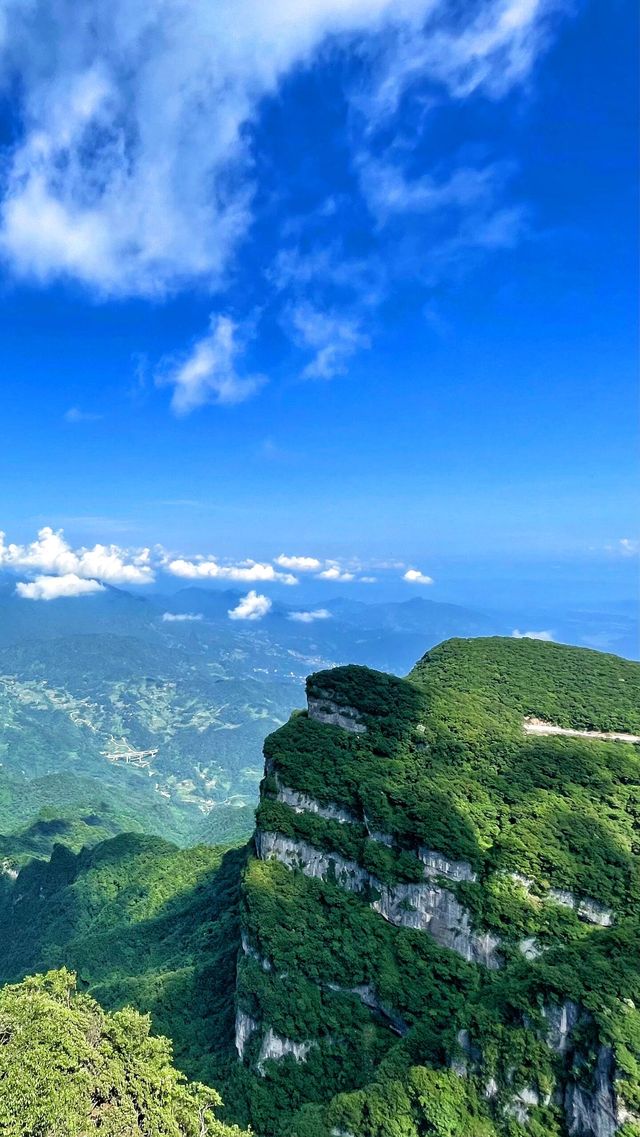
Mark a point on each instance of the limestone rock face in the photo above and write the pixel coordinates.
(314, 863)
(302, 803)
(590, 1108)
(561, 1021)
(251, 952)
(435, 864)
(530, 948)
(326, 710)
(586, 908)
(274, 1047)
(522, 1103)
(369, 998)
(245, 1027)
(423, 907)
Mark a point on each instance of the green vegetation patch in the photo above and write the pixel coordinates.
(67, 1068)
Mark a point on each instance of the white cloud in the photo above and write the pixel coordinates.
(333, 337)
(76, 415)
(298, 564)
(494, 48)
(55, 587)
(389, 191)
(211, 569)
(181, 617)
(414, 576)
(132, 170)
(335, 573)
(310, 617)
(518, 635)
(208, 374)
(51, 553)
(251, 607)
(132, 166)
(628, 547)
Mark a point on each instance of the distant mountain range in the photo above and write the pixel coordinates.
(149, 712)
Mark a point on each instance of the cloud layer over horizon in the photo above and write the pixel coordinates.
(57, 569)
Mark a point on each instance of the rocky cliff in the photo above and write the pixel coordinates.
(437, 894)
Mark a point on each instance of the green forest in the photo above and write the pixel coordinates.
(379, 1029)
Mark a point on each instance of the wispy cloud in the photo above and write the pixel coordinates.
(310, 617)
(547, 636)
(332, 337)
(132, 163)
(132, 171)
(253, 606)
(76, 415)
(209, 373)
(181, 617)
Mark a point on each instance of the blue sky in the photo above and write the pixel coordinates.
(353, 280)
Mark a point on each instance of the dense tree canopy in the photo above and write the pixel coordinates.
(67, 1069)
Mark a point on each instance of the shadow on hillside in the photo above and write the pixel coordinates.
(179, 965)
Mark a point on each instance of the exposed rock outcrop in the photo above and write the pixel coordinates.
(586, 908)
(252, 953)
(326, 710)
(303, 803)
(368, 997)
(530, 948)
(274, 1047)
(245, 1027)
(423, 907)
(560, 1023)
(522, 1102)
(591, 1107)
(7, 869)
(436, 864)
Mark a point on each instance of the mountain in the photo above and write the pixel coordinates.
(151, 711)
(109, 707)
(440, 923)
(68, 1068)
(435, 931)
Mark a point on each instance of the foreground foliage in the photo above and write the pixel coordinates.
(142, 923)
(68, 1069)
